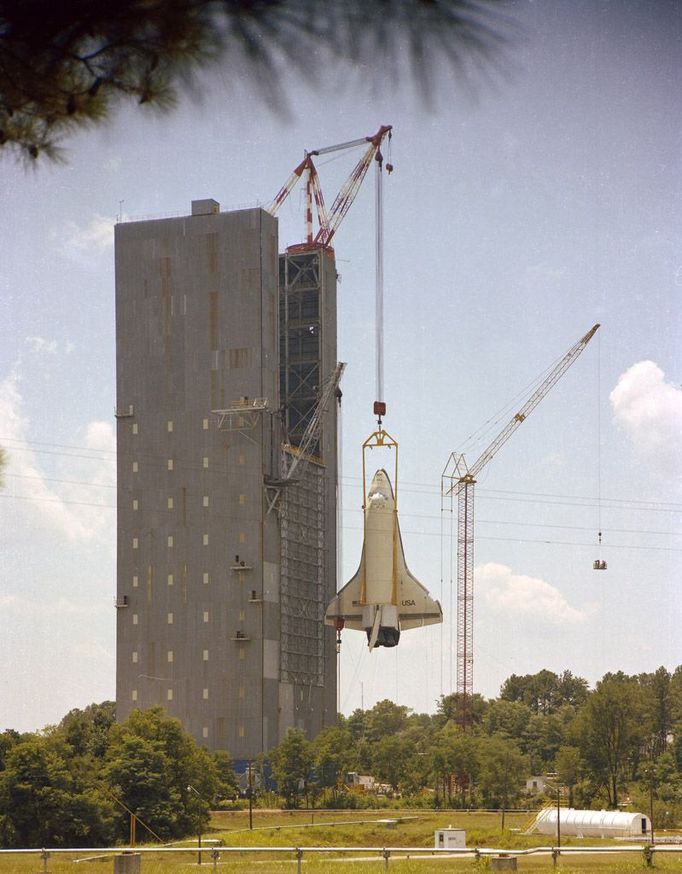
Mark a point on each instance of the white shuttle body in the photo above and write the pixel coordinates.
(383, 598)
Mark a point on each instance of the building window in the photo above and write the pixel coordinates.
(134, 658)
(169, 425)
(136, 543)
(170, 503)
(136, 581)
(241, 731)
(204, 424)
(205, 460)
(242, 652)
(170, 539)
(241, 691)
(135, 428)
(205, 539)
(242, 537)
(242, 460)
(205, 694)
(170, 618)
(242, 499)
(136, 467)
(241, 616)
(205, 615)
(169, 695)
(205, 501)
(206, 578)
(205, 655)
(170, 464)
(133, 695)
(170, 655)
(134, 618)
(170, 579)
(204, 731)
(135, 504)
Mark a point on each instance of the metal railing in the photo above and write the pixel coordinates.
(365, 853)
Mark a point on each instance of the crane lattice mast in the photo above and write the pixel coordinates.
(458, 479)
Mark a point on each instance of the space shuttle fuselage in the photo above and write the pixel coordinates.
(383, 598)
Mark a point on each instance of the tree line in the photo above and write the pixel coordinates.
(77, 783)
(620, 742)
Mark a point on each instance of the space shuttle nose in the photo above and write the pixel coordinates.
(381, 485)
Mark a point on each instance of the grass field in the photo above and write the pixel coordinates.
(352, 829)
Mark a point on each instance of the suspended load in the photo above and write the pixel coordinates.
(383, 598)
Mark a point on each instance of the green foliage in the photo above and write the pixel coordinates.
(67, 65)
(156, 770)
(87, 731)
(545, 691)
(610, 731)
(503, 770)
(449, 709)
(567, 765)
(394, 761)
(75, 782)
(385, 718)
(227, 784)
(334, 755)
(507, 719)
(454, 758)
(44, 803)
(292, 763)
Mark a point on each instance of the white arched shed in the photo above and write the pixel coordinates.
(592, 823)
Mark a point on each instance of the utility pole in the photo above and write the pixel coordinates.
(192, 789)
(250, 795)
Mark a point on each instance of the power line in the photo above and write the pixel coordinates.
(421, 488)
(58, 500)
(422, 533)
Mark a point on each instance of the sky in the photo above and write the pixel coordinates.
(519, 214)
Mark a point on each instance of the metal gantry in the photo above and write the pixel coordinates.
(458, 480)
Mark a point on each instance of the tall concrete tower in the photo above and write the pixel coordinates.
(221, 592)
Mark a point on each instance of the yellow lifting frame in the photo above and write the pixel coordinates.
(381, 440)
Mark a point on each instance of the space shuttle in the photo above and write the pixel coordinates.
(383, 598)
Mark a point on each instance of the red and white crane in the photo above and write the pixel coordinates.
(328, 222)
(458, 480)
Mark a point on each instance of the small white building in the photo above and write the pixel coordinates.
(536, 785)
(449, 838)
(592, 823)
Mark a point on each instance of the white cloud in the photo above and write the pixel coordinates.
(29, 501)
(649, 411)
(40, 344)
(43, 638)
(60, 608)
(543, 273)
(519, 595)
(97, 234)
(113, 164)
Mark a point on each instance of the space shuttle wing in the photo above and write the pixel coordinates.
(346, 605)
(415, 606)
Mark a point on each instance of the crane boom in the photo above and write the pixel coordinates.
(459, 480)
(532, 402)
(310, 436)
(329, 222)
